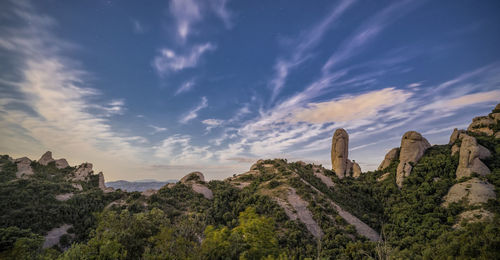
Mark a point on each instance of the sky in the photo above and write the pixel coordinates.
(157, 89)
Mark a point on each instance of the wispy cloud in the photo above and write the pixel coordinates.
(185, 87)
(169, 61)
(350, 108)
(304, 44)
(53, 87)
(178, 149)
(186, 13)
(192, 114)
(369, 31)
(212, 123)
(220, 9)
(138, 27)
(157, 129)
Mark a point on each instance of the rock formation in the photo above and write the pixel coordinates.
(193, 176)
(389, 157)
(339, 155)
(23, 167)
(455, 135)
(47, 158)
(83, 172)
(102, 184)
(481, 124)
(192, 180)
(413, 146)
(470, 157)
(473, 191)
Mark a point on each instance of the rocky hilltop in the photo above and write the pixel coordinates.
(423, 201)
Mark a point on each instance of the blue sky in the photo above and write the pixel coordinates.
(155, 90)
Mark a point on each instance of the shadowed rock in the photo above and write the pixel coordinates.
(339, 152)
(413, 147)
(389, 157)
(46, 158)
(23, 167)
(473, 191)
(471, 154)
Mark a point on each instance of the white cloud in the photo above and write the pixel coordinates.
(194, 112)
(169, 61)
(178, 150)
(415, 85)
(220, 9)
(212, 123)
(351, 108)
(186, 13)
(157, 129)
(185, 87)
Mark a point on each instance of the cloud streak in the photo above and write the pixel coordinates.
(192, 114)
(168, 61)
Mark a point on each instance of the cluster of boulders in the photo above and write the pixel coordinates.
(81, 173)
(341, 164)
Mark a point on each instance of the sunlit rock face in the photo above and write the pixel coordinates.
(389, 157)
(470, 157)
(339, 153)
(413, 147)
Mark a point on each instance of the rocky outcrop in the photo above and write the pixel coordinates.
(47, 158)
(319, 172)
(61, 163)
(470, 157)
(194, 176)
(455, 135)
(303, 213)
(64, 196)
(102, 184)
(339, 154)
(383, 176)
(413, 147)
(23, 167)
(356, 170)
(389, 157)
(473, 192)
(53, 236)
(193, 180)
(82, 172)
(473, 216)
(481, 125)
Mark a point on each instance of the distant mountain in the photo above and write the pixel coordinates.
(140, 185)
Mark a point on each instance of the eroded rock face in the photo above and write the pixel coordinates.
(473, 191)
(83, 172)
(61, 163)
(23, 167)
(53, 236)
(470, 157)
(339, 152)
(46, 158)
(389, 157)
(455, 135)
(481, 124)
(413, 147)
(193, 176)
(356, 170)
(102, 184)
(473, 216)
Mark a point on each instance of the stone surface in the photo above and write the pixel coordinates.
(203, 190)
(470, 157)
(61, 163)
(389, 157)
(53, 236)
(383, 177)
(303, 213)
(193, 176)
(481, 124)
(413, 147)
(318, 172)
(23, 167)
(473, 191)
(77, 186)
(339, 152)
(356, 170)
(46, 158)
(455, 135)
(64, 196)
(149, 192)
(473, 216)
(102, 184)
(83, 172)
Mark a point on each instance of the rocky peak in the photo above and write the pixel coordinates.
(455, 135)
(83, 172)
(470, 157)
(413, 147)
(339, 155)
(46, 158)
(389, 157)
(192, 180)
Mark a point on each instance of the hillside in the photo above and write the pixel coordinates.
(138, 185)
(423, 202)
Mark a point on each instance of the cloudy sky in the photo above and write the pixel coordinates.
(155, 90)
